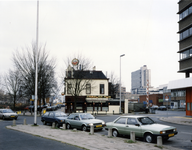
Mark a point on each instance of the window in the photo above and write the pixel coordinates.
(88, 88)
(51, 114)
(69, 86)
(101, 88)
(186, 33)
(121, 120)
(185, 13)
(131, 121)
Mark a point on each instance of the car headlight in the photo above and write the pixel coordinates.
(103, 123)
(90, 124)
(175, 130)
(162, 132)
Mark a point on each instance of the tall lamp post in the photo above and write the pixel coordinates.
(36, 74)
(120, 82)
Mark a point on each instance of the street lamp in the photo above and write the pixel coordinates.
(120, 82)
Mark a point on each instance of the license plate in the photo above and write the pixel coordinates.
(98, 126)
(12, 116)
(171, 135)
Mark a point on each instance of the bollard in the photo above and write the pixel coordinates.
(14, 122)
(64, 126)
(53, 125)
(159, 141)
(25, 122)
(109, 132)
(133, 136)
(91, 129)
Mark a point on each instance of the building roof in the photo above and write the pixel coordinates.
(180, 84)
(89, 74)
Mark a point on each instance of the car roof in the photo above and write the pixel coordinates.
(133, 116)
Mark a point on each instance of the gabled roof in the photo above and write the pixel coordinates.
(89, 74)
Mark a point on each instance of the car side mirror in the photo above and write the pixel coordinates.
(137, 125)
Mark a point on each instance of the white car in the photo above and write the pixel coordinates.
(143, 127)
(8, 114)
(155, 106)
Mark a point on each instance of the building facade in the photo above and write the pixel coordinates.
(139, 80)
(185, 33)
(93, 91)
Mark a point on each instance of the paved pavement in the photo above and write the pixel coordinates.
(97, 141)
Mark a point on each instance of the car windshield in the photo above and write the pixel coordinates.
(60, 114)
(8, 111)
(146, 120)
(86, 116)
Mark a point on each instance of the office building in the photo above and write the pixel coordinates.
(139, 80)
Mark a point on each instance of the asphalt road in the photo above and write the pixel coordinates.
(25, 141)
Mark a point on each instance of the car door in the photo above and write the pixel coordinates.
(76, 122)
(134, 126)
(51, 117)
(120, 125)
(45, 117)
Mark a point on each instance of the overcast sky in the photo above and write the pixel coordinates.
(102, 30)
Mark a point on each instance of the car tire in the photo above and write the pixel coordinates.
(68, 126)
(149, 138)
(44, 122)
(84, 128)
(3, 118)
(115, 133)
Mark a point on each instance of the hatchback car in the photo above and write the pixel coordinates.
(83, 121)
(143, 127)
(8, 114)
(54, 116)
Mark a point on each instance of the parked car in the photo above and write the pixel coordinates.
(8, 114)
(83, 121)
(155, 107)
(143, 127)
(162, 108)
(54, 116)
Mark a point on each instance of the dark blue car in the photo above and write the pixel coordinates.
(54, 116)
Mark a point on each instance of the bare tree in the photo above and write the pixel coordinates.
(76, 77)
(13, 84)
(25, 62)
(113, 85)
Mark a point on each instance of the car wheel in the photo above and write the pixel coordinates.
(115, 133)
(148, 138)
(84, 128)
(44, 122)
(68, 126)
(15, 118)
(3, 118)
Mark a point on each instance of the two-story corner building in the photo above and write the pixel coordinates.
(88, 88)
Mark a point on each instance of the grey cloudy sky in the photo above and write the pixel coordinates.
(144, 30)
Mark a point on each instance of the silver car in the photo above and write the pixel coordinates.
(143, 127)
(8, 114)
(83, 121)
